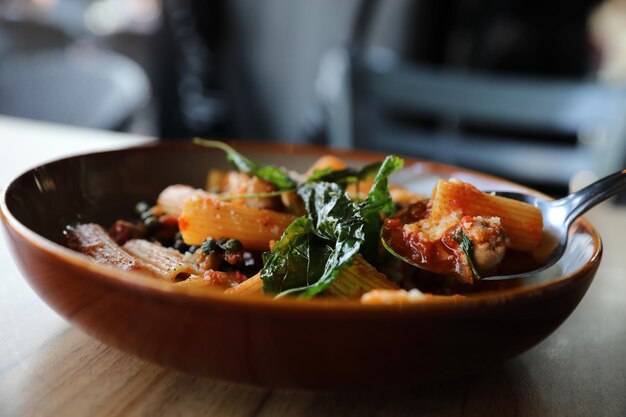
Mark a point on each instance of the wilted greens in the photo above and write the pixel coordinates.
(345, 176)
(467, 246)
(377, 203)
(316, 247)
(270, 173)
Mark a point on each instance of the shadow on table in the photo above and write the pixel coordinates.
(495, 392)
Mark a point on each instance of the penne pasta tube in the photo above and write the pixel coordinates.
(253, 227)
(195, 282)
(92, 240)
(172, 199)
(213, 278)
(352, 282)
(358, 278)
(522, 222)
(165, 263)
(251, 286)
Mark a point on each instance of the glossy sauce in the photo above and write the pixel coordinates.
(444, 256)
(440, 256)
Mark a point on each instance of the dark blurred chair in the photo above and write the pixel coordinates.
(392, 106)
(44, 77)
(23, 37)
(76, 86)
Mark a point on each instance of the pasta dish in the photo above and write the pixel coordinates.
(263, 230)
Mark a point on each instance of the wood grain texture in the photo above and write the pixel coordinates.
(48, 368)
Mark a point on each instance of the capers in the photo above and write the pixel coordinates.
(232, 246)
(151, 222)
(209, 245)
(223, 244)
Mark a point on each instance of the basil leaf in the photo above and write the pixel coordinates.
(315, 248)
(344, 176)
(270, 173)
(296, 260)
(333, 213)
(467, 246)
(377, 203)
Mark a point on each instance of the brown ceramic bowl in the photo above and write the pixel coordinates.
(319, 344)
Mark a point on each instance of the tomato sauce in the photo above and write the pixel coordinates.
(444, 256)
(441, 256)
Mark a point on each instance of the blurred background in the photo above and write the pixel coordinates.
(533, 92)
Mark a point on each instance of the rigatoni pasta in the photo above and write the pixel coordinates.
(212, 279)
(264, 230)
(462, 231)
(208, 217)
(523, 223)
(359, 278)
(352, 282)
(92, 240)
(165, 263)
(251, 286)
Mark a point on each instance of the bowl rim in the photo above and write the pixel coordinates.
(138, 283)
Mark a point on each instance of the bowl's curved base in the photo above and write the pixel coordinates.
(312, 351)
(279, 344)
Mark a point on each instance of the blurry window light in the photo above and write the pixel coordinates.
(44, 3)
(106, 17)
(607, 30)
(18, 9)
(102, 19)
(143, 10)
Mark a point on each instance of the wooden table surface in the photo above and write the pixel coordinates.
(49, 368)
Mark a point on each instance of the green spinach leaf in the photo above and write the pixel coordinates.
(467, 246)
(315, 248)
(377, 203)
(270, 173)
(296, 261)
(344, 176)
